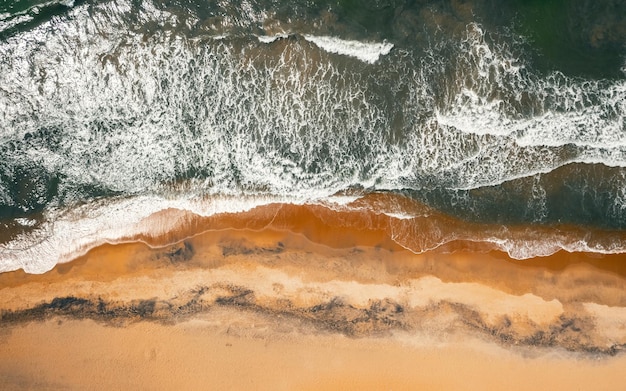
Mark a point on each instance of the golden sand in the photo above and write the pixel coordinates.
(203, 354)
(321, 305)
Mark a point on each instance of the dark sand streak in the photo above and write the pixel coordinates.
(572, 330)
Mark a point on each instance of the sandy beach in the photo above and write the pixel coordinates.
(284, 309)
(204, 353)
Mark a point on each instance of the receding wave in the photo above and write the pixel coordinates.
(382, 220)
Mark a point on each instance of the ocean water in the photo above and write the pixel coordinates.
(492, 122)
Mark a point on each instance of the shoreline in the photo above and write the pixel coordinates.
(312, 291)
(282, 272)
(387, 221)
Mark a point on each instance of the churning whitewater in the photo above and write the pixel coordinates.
(111, 111)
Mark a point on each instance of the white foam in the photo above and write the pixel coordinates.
(562, 110)
(530, 245)
(340, 200)
(26, 222)
(368, 52)
(520, 247)
(130, 109)
(271, 38)
(7, 24)
(142, 107)
(69, 233)
(147, 92)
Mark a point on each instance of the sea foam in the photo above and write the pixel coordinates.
(69, 233)
(368, 52)
(271, 38)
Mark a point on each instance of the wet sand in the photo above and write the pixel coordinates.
(320, 305)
